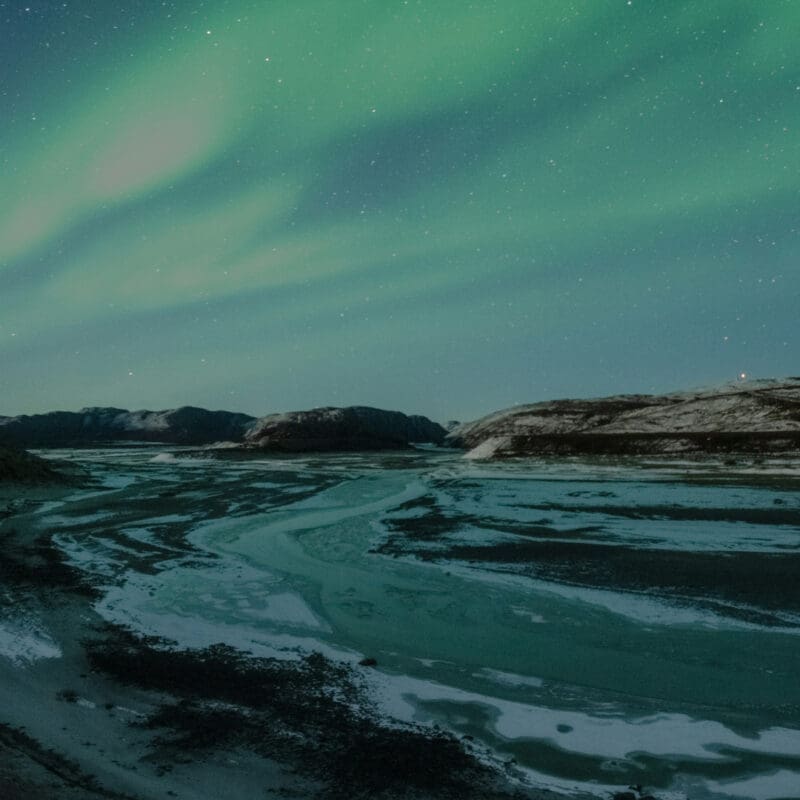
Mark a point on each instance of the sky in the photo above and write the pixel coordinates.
(437, 206)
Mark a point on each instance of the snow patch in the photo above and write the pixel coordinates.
(509, 678)
(761, 787)
(24, 642)
(487, 448)
(163, 458)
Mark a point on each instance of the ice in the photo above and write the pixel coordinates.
(118, 481)
(197, 607)
(610, 737)
(22, 641)
(510, 678)
(633, 605)
(532, 616)
(513, 658)
(781, 784)
(163, 458)
(64, 521)
(288, 608)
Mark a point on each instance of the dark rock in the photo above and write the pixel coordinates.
(368, 662)
(562, 728)
(17, 466)
(624, 796)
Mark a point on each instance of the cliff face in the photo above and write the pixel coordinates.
(185, 425)
(352, 428)
(753, 416)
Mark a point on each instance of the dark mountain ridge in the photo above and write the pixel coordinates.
(350, 428)
(187, 425)
(748, 417)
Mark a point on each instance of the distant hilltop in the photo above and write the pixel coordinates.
(757, 416)
(746, 416)
(187, 425)
(320, 429)
(350, 428)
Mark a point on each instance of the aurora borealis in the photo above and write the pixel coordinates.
(437, 206)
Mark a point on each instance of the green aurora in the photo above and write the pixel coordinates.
(442, 207)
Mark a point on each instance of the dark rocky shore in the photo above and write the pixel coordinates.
(17, 466)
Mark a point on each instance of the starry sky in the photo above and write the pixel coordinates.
(438, 206)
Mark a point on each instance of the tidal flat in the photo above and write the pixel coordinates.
(186, 623)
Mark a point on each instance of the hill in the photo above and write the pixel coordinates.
(750, 417)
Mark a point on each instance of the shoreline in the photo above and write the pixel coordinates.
(90, 722)
(324, 556)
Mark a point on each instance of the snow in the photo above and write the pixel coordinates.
(509, 678)
(487, 448)
(782, 783)
(612, 735)
(142, 421)
(24, 641)
(163, 458)
(635, 606)
(743, 407)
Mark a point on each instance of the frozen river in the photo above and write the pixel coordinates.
(602, 623)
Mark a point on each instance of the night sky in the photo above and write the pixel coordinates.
(439, 206)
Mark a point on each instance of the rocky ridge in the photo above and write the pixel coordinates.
(351, 428)
(187, 425)
(747, 416)
(17, 466)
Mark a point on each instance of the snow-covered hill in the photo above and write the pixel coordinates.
(748, 415)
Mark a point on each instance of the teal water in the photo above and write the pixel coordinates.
(601, 623)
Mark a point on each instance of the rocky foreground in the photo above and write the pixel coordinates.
(745, 417)
(17, 466)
